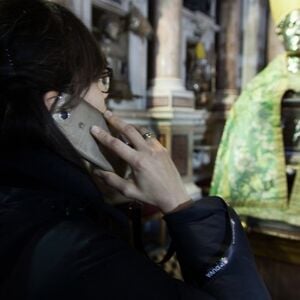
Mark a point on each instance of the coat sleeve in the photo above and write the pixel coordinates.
(212, 248)
(108, 268)
(77, 260)
(213, 251)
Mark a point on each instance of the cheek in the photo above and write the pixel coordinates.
(96, 98)
(101, 104)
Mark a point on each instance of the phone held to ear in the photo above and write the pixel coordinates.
(76, 123)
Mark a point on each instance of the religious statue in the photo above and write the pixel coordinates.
(252, 169)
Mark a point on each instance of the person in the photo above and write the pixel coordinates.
(55, 238)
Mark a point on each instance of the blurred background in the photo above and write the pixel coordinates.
(179, 66)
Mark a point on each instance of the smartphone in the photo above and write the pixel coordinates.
(76, 123)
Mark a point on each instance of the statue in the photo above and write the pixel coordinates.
(251, 166)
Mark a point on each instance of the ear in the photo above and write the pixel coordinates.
(49, 98)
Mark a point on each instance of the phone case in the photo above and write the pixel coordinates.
(75, 125)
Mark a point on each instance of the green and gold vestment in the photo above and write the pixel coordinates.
(250, 171)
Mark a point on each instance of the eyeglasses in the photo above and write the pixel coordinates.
(105, 80)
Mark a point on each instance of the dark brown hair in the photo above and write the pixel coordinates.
(43, 47)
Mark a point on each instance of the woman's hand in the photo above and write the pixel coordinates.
(155, 179)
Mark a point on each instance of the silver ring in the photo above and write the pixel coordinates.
(148, 135)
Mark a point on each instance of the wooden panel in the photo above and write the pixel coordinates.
(278, 261)
(282, 279)
(180, 153)
(280, 249)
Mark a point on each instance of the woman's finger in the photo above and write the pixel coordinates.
(125, 187)
(117, 146)
(129, 131)
(148, 136)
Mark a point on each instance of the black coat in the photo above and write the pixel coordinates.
(52, 248)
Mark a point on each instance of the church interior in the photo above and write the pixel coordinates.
(218, 82)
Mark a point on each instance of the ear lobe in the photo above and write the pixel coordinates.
(49, 99)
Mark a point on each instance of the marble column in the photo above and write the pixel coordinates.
(170, 105)
(228, 71)
(167, 89)
(229, 48)
(228, 65)
(168, 34)
(254, 38)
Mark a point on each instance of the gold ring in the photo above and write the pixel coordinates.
(148, 135)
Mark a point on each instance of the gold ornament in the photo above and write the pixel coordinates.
(200, 51)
